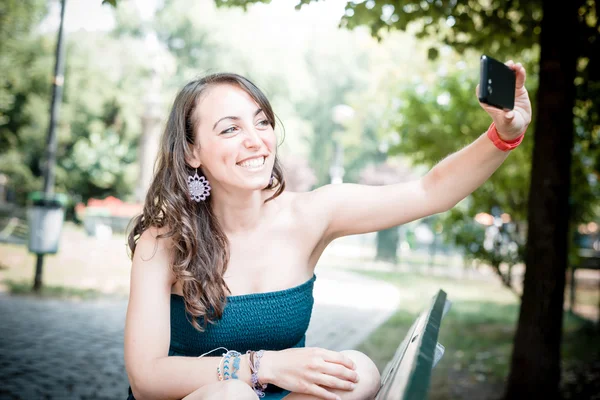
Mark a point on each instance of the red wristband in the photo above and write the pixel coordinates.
(503, 145)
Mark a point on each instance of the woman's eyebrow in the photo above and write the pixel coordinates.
(236, 118)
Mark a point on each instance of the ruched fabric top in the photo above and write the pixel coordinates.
(268, 321)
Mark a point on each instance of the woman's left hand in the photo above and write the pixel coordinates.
(510, 124)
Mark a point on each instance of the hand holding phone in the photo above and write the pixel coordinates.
(502, 94)
(496, 84)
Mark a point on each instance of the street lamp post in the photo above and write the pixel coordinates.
(50, 160)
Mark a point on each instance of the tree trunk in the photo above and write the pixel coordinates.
(387, 245)
(535, 366)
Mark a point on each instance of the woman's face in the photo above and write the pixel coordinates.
(236, 142)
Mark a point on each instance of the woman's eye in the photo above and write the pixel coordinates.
(264, 122)
(229, 130)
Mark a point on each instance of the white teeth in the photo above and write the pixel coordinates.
(255, 162)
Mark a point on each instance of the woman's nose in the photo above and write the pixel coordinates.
(253, 139)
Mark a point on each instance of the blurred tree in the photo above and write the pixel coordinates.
(430, 120)
(17, 20)
(101, 93)
(18, 55)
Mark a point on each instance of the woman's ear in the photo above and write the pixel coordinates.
(192, 158)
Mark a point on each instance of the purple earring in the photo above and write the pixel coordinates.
(271, 181)
(199, 187)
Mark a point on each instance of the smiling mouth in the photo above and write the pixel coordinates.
(253, 163)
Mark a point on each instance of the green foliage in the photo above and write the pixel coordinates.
(499, 27)
(433, 117)
(17, 19)
(243, 4)
(98, 121)
(586, 152)
(504, 29)
(24, 110)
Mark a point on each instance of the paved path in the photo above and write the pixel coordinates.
(57, 349)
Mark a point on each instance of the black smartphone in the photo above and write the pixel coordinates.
(496, 84)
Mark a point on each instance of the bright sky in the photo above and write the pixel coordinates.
(91, 15)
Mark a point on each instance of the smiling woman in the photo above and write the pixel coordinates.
(238, 151)
(226, 260)
(203, 277)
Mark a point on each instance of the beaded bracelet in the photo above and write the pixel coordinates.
(219, 374)
(226, 359)
(254, 366)
(236, 365)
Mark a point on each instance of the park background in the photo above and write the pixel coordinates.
(358, 103)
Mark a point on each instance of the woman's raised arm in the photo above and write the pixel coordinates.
(347, 209)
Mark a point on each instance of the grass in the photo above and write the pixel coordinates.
(587, 295)
(477, 333)
(479, 318)
(82, 263)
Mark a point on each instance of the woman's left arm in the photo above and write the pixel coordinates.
(349, 209)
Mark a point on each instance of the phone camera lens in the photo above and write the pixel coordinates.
(490, 89)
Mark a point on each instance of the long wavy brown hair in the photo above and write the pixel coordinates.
(200, 247)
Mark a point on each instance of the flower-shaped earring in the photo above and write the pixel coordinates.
(199, 187)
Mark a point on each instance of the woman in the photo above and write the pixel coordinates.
(224, 258)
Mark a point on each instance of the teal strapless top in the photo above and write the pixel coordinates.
(268, 321)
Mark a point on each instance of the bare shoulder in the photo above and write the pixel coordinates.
(299, 203)
(308, 212)
(154, 237)
(153, 250)
(316, 201)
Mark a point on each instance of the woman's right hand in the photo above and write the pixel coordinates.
(309, 370)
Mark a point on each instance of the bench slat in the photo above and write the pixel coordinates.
(408, 374)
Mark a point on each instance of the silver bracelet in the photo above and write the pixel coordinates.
(254, 361)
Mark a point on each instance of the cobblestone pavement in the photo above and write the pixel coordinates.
(59, 349)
